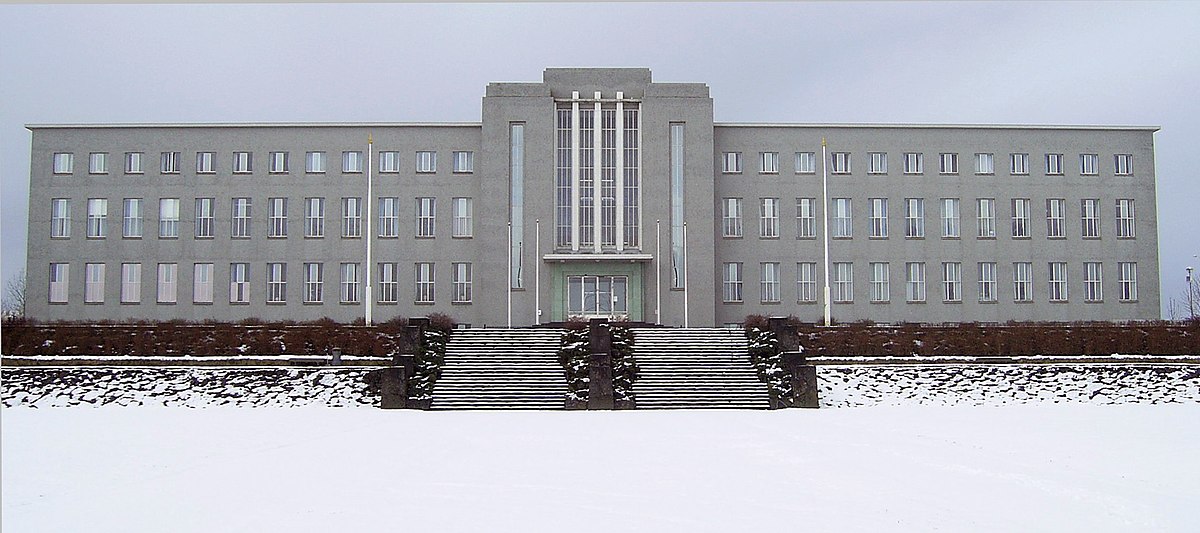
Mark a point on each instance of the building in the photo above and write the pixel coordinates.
(624, 199)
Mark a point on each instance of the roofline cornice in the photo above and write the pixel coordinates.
(258, 125)
(934, 126)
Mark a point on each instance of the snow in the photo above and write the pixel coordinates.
(908, 468)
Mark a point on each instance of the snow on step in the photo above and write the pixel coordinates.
(501, 369)
(695, 368)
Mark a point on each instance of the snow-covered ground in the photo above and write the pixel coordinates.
(910, 468)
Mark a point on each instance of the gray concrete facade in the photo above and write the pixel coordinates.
(549, 266)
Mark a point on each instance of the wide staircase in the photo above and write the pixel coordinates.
(695, 368)
(501, 369)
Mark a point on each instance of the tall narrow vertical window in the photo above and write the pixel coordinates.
(425, 283)
(1018, 164)
(389, 162)
(950, 218)
(1022, 282)
(949, 163)
(1089, 164)
(389, 216)
(731, 217)
(60, 218)
(952, 282)
(843, 282)
(133, 162)
(93, 283)
(913, 163)
(351, 162)
(98, 163)
(914, 218)
(462, 282)
(426, 162)
(242, 163)
(806, 282)
(608, 177)
(1054, 164)
(389, 286)
(877, 163)
(731, 282)
(985, 164)
(314, 162)
(426, 217)
(1093, 282)
(806, 163)
(64, 163)
(314, 217)
(168, 218)
(205, 215)
(60, 280)
(564, 178)
(1125, 223)
(987, 217)
(806, 218)
(1055, 208)
(880, 285)
(839, 163)
(1128, 281)
(239, 283)
(842, 223)
(768, 162)
(879, 218)
(277, 215)
(1058, 282)
(464, 162)
(204, 162)
(97, 221)
(516, 198)
(276, 283)
(131, 283)
(349, 292)
(914, 282)
(732, 162)
(168, 282)
(314, 283)
(1089, 215)
(202, 283)
(1020, 218)
(768, 287)
(351, 217)
(279, 163)
(241, 218)
(1123, 164)
(768, 218)
(987, 282)
(677, 272)
(131, 221)
(170, 163)
(463, 217)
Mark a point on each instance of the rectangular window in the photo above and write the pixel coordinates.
(464, 162)
(352, 217)
(389, 216)
(1123, 164)
(516, 202)
(462, 213)
(914, 282)
(60, 218)
(168, 282)
(64, 163)
(1020, 218)
(1055, 208)
(806, 218)
(1093, 282)
(987, 282)
(241, 218)
(277, 215)
(732, 162)
(985, 164)
(60, 277)
(949, 163)
(1054, 164)
(389, 162)
(97, 218)
(1058, 282)
(242, 163)
(1022, 282)
(93, 283)
(425, 283)
(314, 162)
(239, 283)
(1089, 164)
(351, 162)
(168, 218)
(1089, 214)
(843, 282)
(877, 163)
(204, 162)
(768, 162)
(279, 163)
(731, 217)
(314, 283)
(1018, 164)
(202, 283)
(913, 163)
(840, 163)
(314, 217)
(426, 217)
(731, 282)
(389, 287)
(987, 217)
(879, 218)
(349, 293)
(205, 214)
(98, 163)
(462, 282)
(170, 163)
(880, 289)
(842, 222)
(1128, 281)
(426, 162)
(768, 287)
(131, 283)
(133, 162)
(678, 274)
(768, 220)
(914, 218)
(276, 283)
(950, 218)
(952, 282)
(806, 163)
(806, 282)
(1125, 222)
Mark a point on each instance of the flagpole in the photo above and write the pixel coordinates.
(537, 271)
(658, 272)
(686, 277)
(370, 294)
(509, 278)
(825, 222)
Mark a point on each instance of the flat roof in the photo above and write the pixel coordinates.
(935, 126)
(258, 125)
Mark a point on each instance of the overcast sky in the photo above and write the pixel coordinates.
(1029, 63)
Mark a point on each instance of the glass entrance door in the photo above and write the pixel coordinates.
(597, 296)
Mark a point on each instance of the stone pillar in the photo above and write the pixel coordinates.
(393, 388)
(415, 335)
(788, 337)
(600, 369)
(804, 380)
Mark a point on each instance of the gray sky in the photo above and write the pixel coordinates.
(1069, 63)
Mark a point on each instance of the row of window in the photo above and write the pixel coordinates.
(277, 162)
(842, 282)
(311, 283)
(314, 209)
(842, 226)
(914, 163)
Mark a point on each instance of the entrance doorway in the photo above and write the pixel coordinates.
(598, 296)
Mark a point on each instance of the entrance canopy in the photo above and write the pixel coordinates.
(596, 258)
